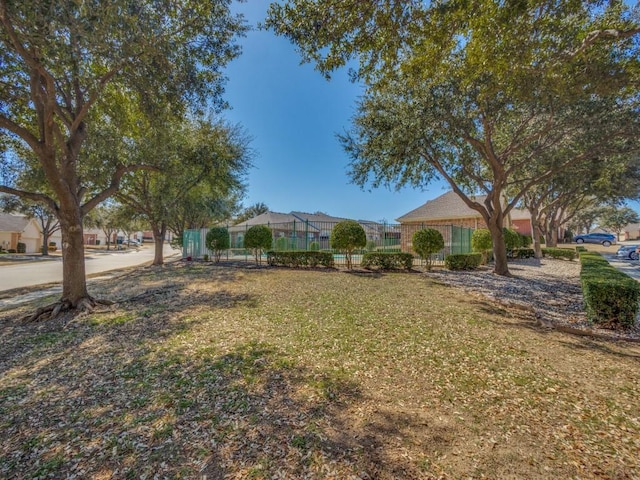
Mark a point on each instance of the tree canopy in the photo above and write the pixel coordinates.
(201, 163)
(69, 69)
(474, 92)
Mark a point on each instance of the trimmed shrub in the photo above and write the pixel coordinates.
(426, 242)
(22, 247)
(482, 242)
(206, 257)
(314, 246)
(347, 236)
(581, 248)
(258, 238)
(299, 258)
(282, 244)
(525, 240)
(371, 246)
(511, 239)
(563, 253)
(523, 253)
(218, 241)
(387, 261)
(610, 296)
(463, 261)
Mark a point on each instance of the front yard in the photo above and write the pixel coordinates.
(203, 371)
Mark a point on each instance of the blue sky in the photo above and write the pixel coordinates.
(293, 115)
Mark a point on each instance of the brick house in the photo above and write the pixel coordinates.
(450, 209)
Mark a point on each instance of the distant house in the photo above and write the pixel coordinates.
(299, 228)
(16, 228)
(630, 232)
(450, 209)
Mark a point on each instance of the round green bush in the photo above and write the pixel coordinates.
(314, 246)
(258, 238)
(426, 242)
(525, 240)
(481, 240)
(511, 239)
(347, 236)
(217, 241)
(282, 243)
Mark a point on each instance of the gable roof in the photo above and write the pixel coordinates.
(450, 206)
(446, 206)
(10, 222)
(274, 218)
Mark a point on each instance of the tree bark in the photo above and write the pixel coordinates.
(45, 243)
(537, 235)
(501, 266)
(536, 231)
(74, 283)
(159, 232)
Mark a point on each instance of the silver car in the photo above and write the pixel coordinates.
(628, 252)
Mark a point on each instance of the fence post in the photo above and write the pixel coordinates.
(294, 238)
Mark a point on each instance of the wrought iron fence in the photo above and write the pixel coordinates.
(305, 235)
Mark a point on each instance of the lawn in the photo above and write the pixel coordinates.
(241, 373)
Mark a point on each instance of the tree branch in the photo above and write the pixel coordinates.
(36, 197)
(592, 37)
(114, 185)
(22, 132)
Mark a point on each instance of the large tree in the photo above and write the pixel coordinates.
(252, 211)
(616, 218)
(608, 173)
(468, 91)
(202, 165)
(67, 65)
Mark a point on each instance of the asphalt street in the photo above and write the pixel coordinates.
(47, 271)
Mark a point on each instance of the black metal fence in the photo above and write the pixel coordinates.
(305, 235)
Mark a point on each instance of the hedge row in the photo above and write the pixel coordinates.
(300, 258)
(522, 253)
(463, 261)
(387, 261)
(559, 253)
(610, 296)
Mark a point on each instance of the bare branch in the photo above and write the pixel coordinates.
(592, 37)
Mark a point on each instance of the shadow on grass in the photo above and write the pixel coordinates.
(602, 346)
(133, 393)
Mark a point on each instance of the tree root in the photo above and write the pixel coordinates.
(53, 310)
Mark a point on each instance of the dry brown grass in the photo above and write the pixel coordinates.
(261, 373)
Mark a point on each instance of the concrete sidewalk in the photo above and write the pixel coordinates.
(630, 267)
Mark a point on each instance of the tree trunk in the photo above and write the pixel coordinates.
(159, 232)
(45, 243)
(537, 235)
(501, 266)
(536, 231)
(74, 283)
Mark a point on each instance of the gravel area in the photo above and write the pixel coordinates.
(549, 288)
